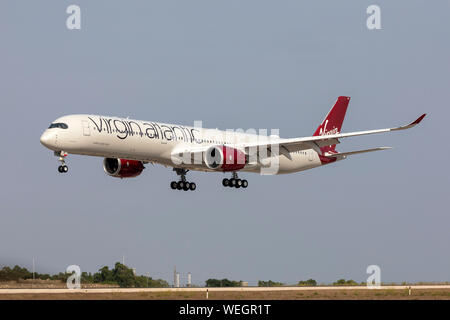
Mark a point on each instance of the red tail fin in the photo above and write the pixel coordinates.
(332, 123)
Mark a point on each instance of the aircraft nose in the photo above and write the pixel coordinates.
(48, 139)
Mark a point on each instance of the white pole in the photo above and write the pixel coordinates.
(175, 276)
(33, 273)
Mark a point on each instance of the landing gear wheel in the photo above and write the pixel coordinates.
(235, 182)
(63, 169)
(62, 155)
(182, 184)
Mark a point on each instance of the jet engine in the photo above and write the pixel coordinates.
(122, 168)
(224, 158)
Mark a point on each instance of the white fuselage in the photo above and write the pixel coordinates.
(147, 141)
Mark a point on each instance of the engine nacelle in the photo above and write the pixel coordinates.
(224, 158)
(122, 168)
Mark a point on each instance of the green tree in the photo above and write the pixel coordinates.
(212, 283)
(269, 283)
(343, 282)
(104, 275)
(62, 276)
(308, 283)
(14, 274)
(123, 275)
(158, 283)
(87, 277)
(222, 283)
(44, 276)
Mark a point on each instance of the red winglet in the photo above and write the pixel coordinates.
(419, 119)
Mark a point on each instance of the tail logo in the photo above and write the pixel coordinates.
(323, 131)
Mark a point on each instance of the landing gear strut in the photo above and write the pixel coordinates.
(62, 168)
(182, 184)
(235, 182)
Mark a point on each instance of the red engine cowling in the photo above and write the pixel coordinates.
(122, 168)
(224, 158)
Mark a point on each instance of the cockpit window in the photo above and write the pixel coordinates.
(58, 125)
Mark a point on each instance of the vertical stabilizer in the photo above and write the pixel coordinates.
(332, 123)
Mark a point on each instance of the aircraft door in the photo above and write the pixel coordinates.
(86, 130)
(310, 154)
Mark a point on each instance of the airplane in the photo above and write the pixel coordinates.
(127, 145)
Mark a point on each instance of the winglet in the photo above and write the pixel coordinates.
(418, 120)
(412, 124)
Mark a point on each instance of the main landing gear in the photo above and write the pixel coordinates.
(235, 182)
(62, 168)
(182, 184)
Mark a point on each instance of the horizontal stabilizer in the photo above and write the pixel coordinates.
(345, 154)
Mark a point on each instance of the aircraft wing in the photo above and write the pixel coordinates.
(316, 142)
(195, 155)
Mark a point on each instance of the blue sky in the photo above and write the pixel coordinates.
(231, 64)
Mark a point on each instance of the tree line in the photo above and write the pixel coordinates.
(261, 283)
(124, 277)
(120, 275)
(270, 283)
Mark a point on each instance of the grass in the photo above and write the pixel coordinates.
(334, 294)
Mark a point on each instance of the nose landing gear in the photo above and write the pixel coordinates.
(182, 184)
(63, 168)
(235, 182)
